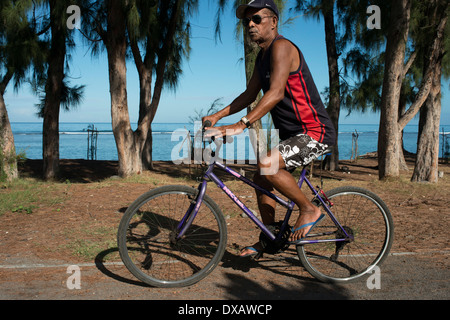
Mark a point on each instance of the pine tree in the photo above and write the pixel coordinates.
(19, 50)
(327, 10)
(404, 87)
(157, 35)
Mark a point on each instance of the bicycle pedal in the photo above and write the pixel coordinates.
(258, 256)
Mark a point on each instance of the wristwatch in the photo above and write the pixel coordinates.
(246, 122)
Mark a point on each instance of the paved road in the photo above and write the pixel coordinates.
(424, 276)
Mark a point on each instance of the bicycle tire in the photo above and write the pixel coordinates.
(367, 217)
(146, 238)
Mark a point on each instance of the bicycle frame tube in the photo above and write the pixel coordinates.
(191, 213)
(252, 184)
(210, 174)
(193, 209)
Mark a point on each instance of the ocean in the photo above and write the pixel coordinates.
(168, 140)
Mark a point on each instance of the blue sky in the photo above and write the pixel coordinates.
(213, 71)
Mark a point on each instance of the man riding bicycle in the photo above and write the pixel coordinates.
(298, 113)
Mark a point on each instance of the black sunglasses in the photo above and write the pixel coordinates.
(257, 19)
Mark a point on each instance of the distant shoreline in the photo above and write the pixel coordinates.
(168, 141)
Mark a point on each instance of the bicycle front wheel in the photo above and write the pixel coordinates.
(364, 216)
(148, 244)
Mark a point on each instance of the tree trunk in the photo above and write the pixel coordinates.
(8, 161)
(53, 91)
(427, 159)
(333, 69)
(164, 56)
(143, 134)
(388, 140)
(144, 131)
(401, 110)
(116, 44)
(149, 101)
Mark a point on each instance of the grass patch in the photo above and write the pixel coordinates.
(91, 240)
(20, 196)
(88, 250)
(23, 196)
(146, 178)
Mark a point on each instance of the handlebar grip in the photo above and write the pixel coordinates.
(226, 139)
(206, 124)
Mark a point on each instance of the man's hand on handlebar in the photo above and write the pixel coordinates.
(209, 121)
(222, 131)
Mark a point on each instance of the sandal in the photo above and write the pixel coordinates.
(312, 224)
(253, 252)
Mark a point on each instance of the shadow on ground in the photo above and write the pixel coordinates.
(242, 280)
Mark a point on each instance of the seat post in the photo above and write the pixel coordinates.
(326, 153)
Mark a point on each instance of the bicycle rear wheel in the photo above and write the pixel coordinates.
(363, 215)
(147, 238)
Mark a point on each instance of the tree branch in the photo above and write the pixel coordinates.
(408, 65)
(6, 79)
(136, 55)
(427, 80)
(163, 57)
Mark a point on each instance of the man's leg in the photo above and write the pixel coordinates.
(272, 174)
(285, 183)
(266, 206)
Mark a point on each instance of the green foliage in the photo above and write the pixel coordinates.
(19, 45)
(71, 97)
(20, 196)
(22, 209)
(23, 196)
(54, 15)
(363, 52)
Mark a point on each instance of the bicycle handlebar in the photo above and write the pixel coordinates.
(226, 139)
(206, 124)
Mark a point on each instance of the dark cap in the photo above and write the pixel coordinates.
(259, 4)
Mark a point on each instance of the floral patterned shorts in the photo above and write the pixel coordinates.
(300, 150)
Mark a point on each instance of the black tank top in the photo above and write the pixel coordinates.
(302, 109)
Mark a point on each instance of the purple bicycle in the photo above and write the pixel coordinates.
(174, 236)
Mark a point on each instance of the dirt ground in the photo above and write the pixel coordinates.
(79, 227)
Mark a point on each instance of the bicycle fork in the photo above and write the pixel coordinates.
(192, 211)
